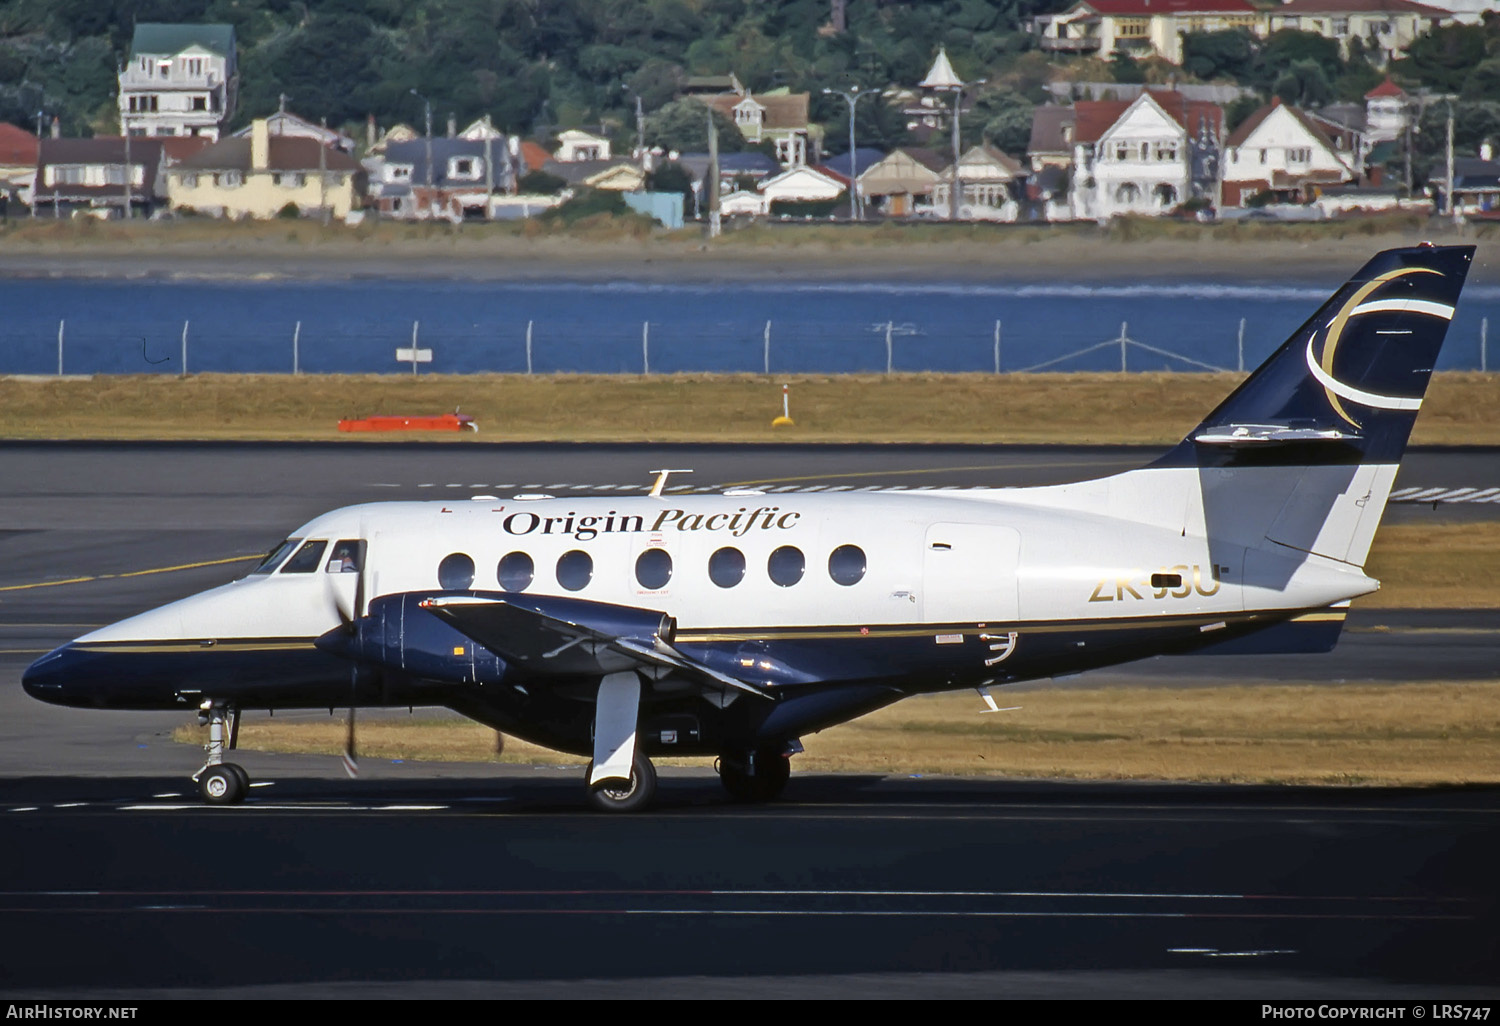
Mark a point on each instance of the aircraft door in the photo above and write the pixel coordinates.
(969, 573)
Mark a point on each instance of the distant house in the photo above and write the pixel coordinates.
(778, 116)
(460, 179)
(801, 185)
(617, 174)
(736, 170)
(1282, 153)
(1144, 156)
(1476, 185)
(894, 185)
(18, 157)
(285, 123)
(98, 176)
(260, 175)
(1140, 28)
(992, 185)
(574, 145)
(179, 80)
(1386, 27)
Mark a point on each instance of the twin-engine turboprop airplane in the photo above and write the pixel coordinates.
(731, 625)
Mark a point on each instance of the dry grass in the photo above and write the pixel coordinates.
(1409, 734)
(1436, 566)
(1010, 408)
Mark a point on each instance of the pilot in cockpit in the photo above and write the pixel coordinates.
(344, 559)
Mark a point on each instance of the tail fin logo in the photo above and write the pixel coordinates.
(1322, 369)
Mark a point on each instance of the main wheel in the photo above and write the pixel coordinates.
(222, 784)
(620, 796)
(772, 771)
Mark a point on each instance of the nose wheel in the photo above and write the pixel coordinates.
(618, 795)
(224, 784)
(220, 782)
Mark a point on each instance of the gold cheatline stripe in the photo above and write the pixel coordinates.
(196, 645)
(132, 573)
(1052, 627)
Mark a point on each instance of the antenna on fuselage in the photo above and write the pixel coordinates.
(661, 480)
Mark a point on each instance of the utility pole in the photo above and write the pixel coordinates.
(711, 180)
(427, 118)
(1452, 210)
(851, 98)
(323, 174)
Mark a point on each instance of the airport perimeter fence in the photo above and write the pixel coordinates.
(562, 345)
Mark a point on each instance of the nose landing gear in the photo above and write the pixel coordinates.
(220, 782)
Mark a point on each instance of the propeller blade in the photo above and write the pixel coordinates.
(351, 759)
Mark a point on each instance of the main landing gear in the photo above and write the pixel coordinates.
(220, 782)
(618, 795)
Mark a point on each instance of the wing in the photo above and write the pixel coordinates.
(554, 635)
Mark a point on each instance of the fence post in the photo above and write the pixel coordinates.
(645, 347)
(414, 347)
(296, 343)
(184, 348)
(1123, 339)
(1242, 345)
(1484, 345)
(997, 347)
(766, 355)
(889, 325)
(528, 347)
(60, 346)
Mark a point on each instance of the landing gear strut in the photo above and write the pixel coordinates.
(617, 795)
(760, 777)
(220, 782)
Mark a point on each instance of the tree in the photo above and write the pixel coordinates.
(1230, 54)
(1443, 58)
(682, 125)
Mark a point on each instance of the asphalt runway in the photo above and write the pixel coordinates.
(485, 881)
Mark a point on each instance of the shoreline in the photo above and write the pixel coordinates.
(274, 251)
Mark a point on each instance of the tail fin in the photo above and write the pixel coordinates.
(1332, 408)
(1356, 372)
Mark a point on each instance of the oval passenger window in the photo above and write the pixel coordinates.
(846, 564)
(515, 572)
(786, 565)
(455, 572)
(726, 567)
(575, 570)
(653, 568)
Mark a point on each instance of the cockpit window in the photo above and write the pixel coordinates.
(275, 556)
(345, 557)
(307, 560)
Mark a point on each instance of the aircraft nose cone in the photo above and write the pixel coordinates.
(45, 678)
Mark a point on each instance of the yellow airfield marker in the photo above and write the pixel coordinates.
(785, 420)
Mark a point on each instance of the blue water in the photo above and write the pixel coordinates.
(136, 326)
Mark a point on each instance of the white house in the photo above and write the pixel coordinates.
(1282, 152)
(1386, 27)
(1140, 28)
(991, 182)
(179, 80)
(574, 145)
(801, 185)
(1146, 156)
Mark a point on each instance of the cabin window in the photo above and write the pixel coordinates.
(575, 570)
(516, 571)
(846, 565)
(275, 556)
(345, 558)
(653, 568)
(455, 572)
(786, 565)
(726, 567)
(307, 560)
